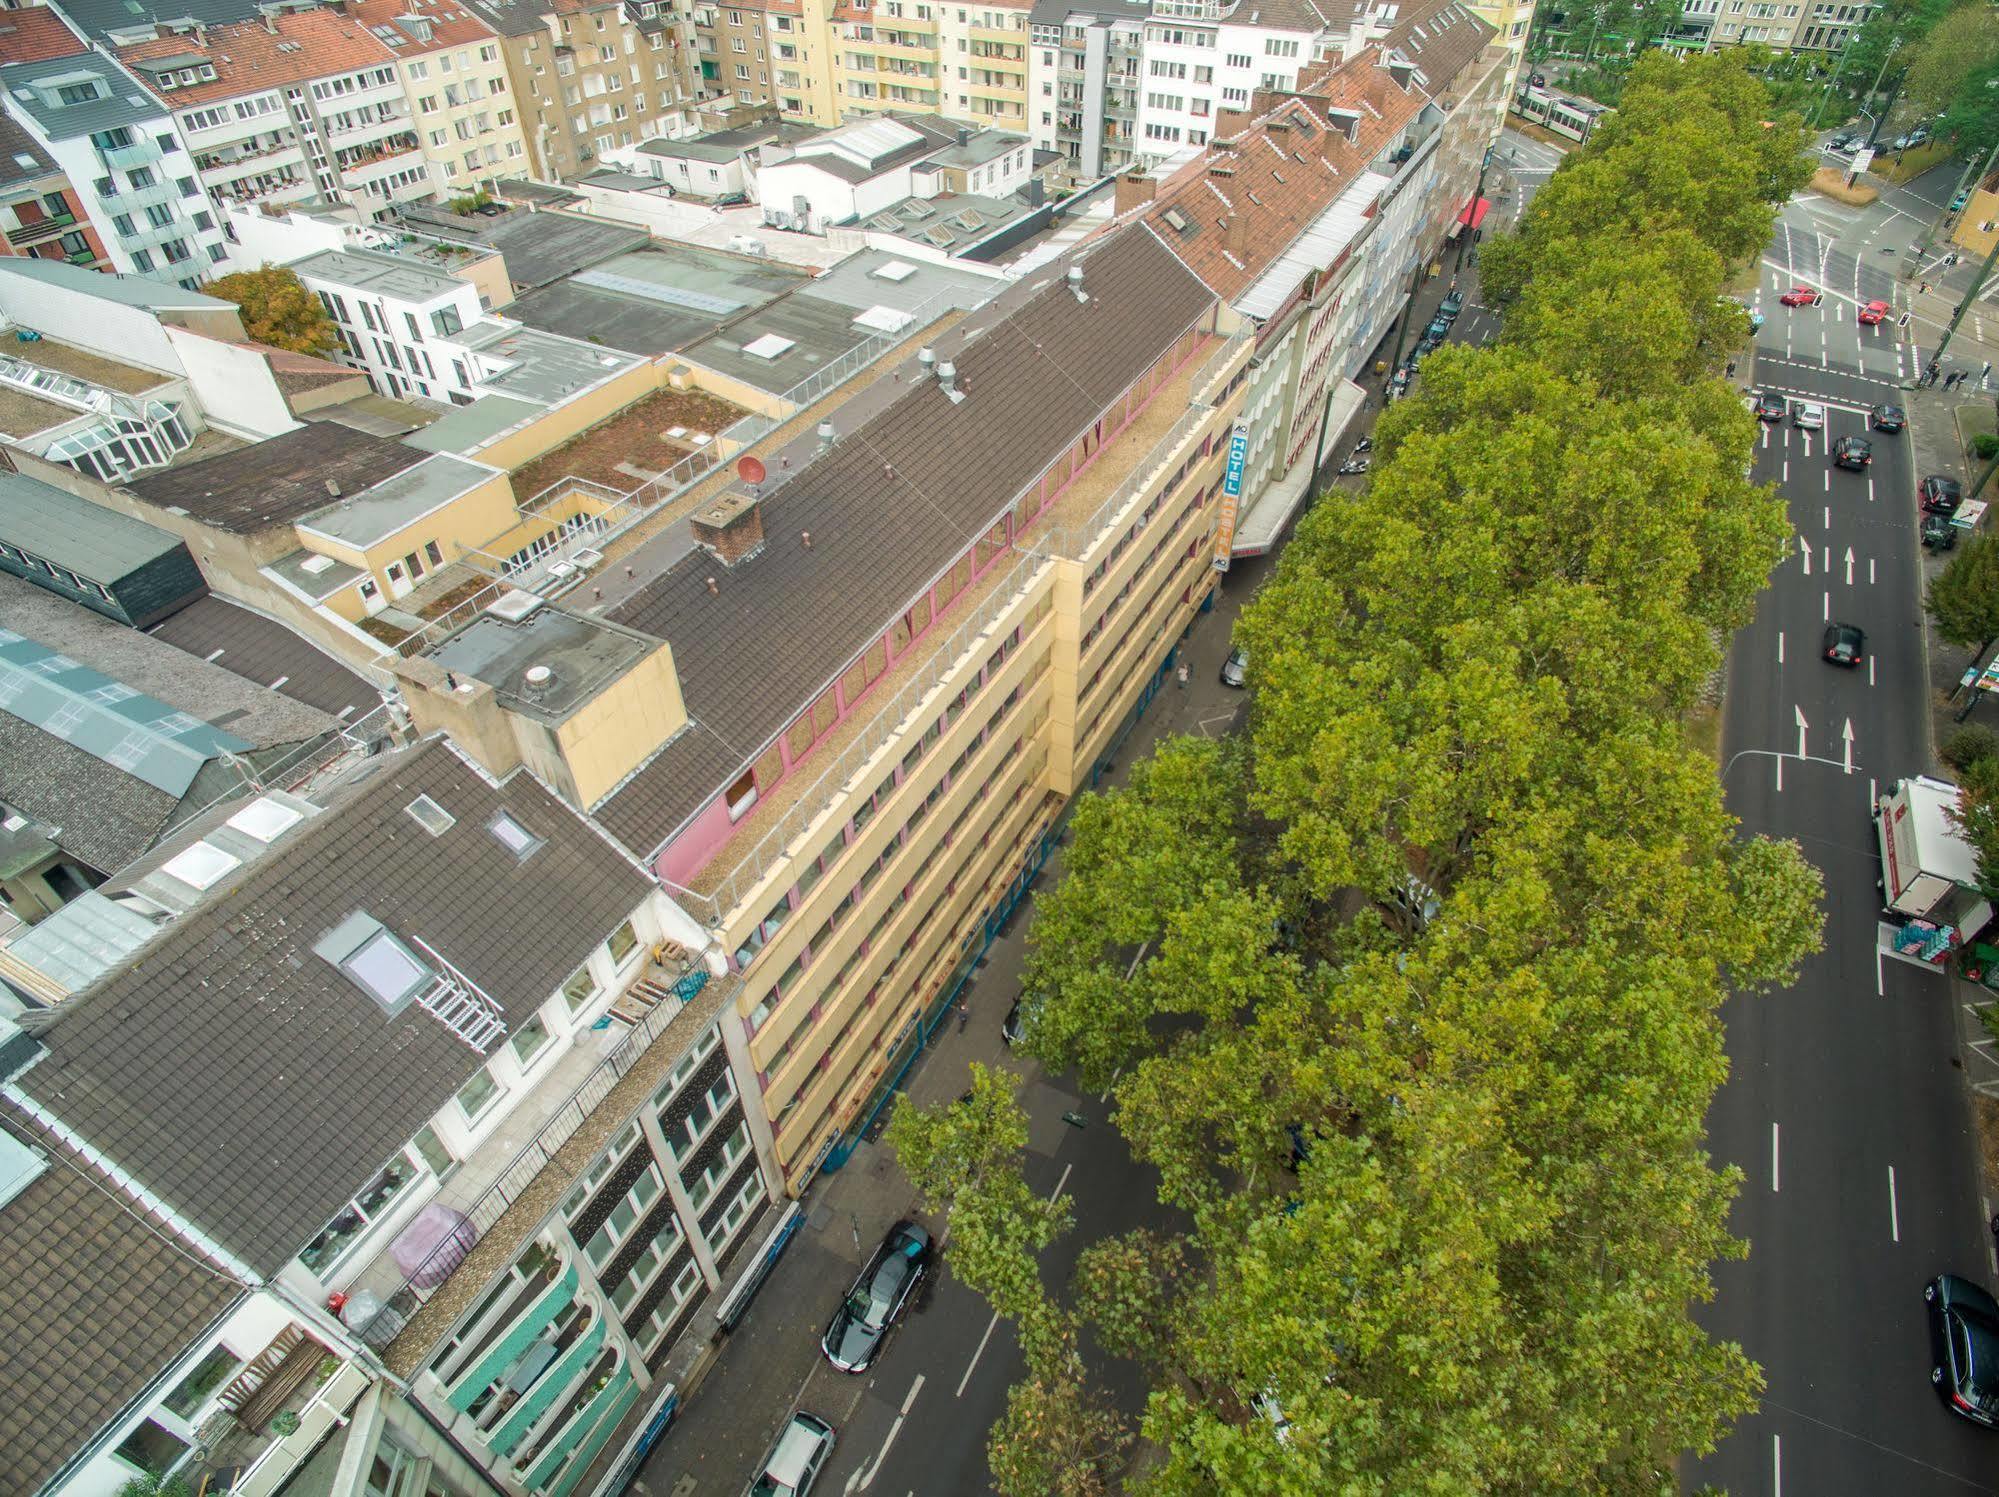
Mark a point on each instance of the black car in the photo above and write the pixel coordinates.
(1453, 304)
(1964, 1347)
(1429, 344)
(1939, 534)
(1940, 495)
(1771, 407)
(1439, 329)
(1852, 452)
(1845, 644)
(1846, 140)
(1887, 418)
(878, 1297)
(1010, 1026)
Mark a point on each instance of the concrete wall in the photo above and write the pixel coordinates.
(610, 735)
(653, 211)
(530, 439)
(234, 385)
(131, 335)
(481, 511)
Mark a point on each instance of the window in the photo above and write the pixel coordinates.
(476, 1095)
(447, 322)
(210, 1373)
(741, 795)
(624, 1217)
(431, 1150)
(580, 989)
(622, 941)
(149, 1447)
(430, 548)
(352, 1220)
(514, 837)
(531, 1040)
(143, 259)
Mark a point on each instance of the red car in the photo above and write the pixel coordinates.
(1802, 296)
(1873, 313)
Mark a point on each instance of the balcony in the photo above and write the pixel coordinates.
(216, 168)
(403, 1271)
(40, 229)
(124, 158)
(356, 131)
(376, 162)
(153, 235)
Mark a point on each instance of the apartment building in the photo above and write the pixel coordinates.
(969, 63)
(456, 82)
(41, 213)
(1346, 190)
(1085, 76)
(738, 50)
(862, 168)
(297, 104)
(1201, 57)
(402, 976)
(126, 160)
(1513, 20)
(591, 75)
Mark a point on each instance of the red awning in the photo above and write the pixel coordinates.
(1475, 212)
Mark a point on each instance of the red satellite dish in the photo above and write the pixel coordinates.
(751, 469)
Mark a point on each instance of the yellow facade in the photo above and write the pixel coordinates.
(610, 735)
(453, 528)
(463, 109)
(969, 64)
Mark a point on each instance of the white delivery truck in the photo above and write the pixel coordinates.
(1929, 874)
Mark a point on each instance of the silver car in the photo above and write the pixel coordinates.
(796, 1459)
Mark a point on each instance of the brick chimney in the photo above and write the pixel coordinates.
(732, 528)
(1131, 190)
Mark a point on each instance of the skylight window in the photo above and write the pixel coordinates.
(265, 819)
(769, 346)
(514, 837)
(369, 956)
(429, 815)
(201, 866)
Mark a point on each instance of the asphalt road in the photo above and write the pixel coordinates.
(1842, 1109)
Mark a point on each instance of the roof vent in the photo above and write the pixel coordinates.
(826, 436)
(536, 680)
(947, 379)
(927, 357)
(1076, 284)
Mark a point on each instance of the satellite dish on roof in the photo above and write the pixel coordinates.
(751, 469)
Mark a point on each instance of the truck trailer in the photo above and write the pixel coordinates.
(1930, 895)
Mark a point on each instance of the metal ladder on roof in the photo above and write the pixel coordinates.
(460, 1004)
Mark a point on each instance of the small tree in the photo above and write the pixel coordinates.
(1967, 745)
(1964, 599)
(277, 309)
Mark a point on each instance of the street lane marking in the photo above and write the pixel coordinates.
(980, 1350)
(1777, 1465)
(1773, 1159)
(1780, 647)
(1870, 670)
(866, 1480)
(1828, 607)
(1870, 497)
(1894, 1216)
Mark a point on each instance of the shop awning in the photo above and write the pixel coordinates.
(1475, 212)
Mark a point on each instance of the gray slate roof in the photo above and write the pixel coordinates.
(512, 17)
(787, 621)
(16, 143)
(266, 652)
(98, 1298)
(540, 247)
(102, 815)
(279, 481)
(126, 101)
(99, 18)
(126, 290)
(232, 1001)
(57, 526)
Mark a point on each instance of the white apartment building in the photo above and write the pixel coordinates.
(127, 160)
(1201, 57)
(298, 104)
(1084, 77)
(456, 83)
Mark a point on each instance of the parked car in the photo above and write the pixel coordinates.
(1887, 418)
(1918, 135)
(1235, 669)
(1957, 203)
(1011, 1026)
(796, 1459)
(1899, 143)
(1940, 495)
(1852, 452)
(1429, 344)
(1808, 415)
(1439, 328)
(1938, 533)
(1453, 303)
(1874, 313)
(1771, 406)
(1802, 296)
(1846, 140)
(878, 1298)
(1964, 1348)
(1845, 644)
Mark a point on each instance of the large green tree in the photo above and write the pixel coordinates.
(1963, 599)
(1411, 993)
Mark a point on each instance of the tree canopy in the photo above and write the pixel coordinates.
(1427, 1023)
(277, 310)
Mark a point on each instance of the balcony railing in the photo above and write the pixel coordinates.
(124, 158)
(41, 228)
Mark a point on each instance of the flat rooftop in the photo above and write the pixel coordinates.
(540, 246)
(382, 275)
(581, 655)
(398, 501)
(58, 526)
(657, 299)
(547, 368)
(279, 481)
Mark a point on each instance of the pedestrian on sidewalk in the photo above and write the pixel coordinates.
(1926, 288)
(1180, 675)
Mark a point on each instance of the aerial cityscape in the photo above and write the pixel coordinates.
(1053, 748)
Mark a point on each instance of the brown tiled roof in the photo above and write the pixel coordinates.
(1273, 177)
(16, 144)
(323, 1086)
(1442, 37)
(888, 508)
(278, 481)
(248, 58)
(34, 34)
(451, 24)
(98, 1298)
(264, 651)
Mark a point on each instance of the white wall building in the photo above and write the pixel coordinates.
(127, 160)
(862, 168)
(1201, 57)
